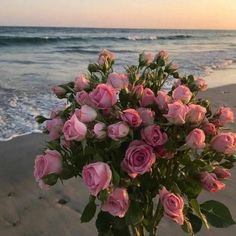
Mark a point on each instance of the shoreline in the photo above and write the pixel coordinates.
(214, 80)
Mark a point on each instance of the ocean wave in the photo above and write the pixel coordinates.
(20, 40)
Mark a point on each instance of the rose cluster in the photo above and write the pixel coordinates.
(133, 143)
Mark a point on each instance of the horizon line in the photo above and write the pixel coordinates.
(128, 28)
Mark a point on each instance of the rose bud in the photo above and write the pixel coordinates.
(173, 205)
(196, 113)
(81, 83)
(145, 58)
(97, 176)
(54, 127)
(132, 117)
(153, 135)
(103, 96)
(209, 129)
(201, 84)
(210, 182)
(182, 93)
(225, 143)
(162, 100)
(59, 91)
(147, 98)
(138, 90)
(177, 112)
(196, 139)
(105, 56)
(118, 81)
(222, 173)
(99, 130)
(162, 55)
(117, 131)
(86, 114)
(224, 116)
(48, 163)
(139, 158)
(82, 98)
(74, 129)
(118, 203)
(147, 115)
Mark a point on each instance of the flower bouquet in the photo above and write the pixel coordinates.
(143, 152)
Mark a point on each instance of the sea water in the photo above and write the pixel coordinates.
(33, 59)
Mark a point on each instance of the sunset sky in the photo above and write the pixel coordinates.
(203, 14)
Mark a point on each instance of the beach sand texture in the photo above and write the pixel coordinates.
(27, 211)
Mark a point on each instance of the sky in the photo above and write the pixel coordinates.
(178, 14)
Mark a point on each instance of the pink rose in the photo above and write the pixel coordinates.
(132, 117)
(147, 115)
(103, 96)
(139, 158)
(196, 139)
(48, 163)
(201, 84)
(196, 113)
(210, 182)
(118, 203)
(81, 83)
(173, 205)
(224, 115)
(105, 56)
(225, 143)
(54, 127)
(209, 129)
(138, 90)
(146, 58)
(222, 173)
(162, 100)
(86, 114)
(82, 98)
(153, 135)
(182, 93)
(147, 98)
(118, 130)
(74, 129)
(97, 176)
(177, 112)
(118, 81)
(99, 130)
(162, 55)
(59, 91)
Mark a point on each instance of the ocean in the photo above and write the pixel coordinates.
(33, 59)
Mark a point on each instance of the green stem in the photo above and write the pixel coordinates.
(157, 218)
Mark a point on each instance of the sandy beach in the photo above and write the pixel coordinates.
(27, 211)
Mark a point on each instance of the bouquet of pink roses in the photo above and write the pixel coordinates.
(142, 152)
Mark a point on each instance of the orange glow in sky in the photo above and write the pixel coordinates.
(193, 14)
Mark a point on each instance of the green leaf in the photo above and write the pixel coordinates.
(50, 179)
(197, 211)
(115, 177)
(89, 211)
(217, 214)
(135, 213)
(196, 222)
(104, 222)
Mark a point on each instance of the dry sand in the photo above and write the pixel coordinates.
(27, 211)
